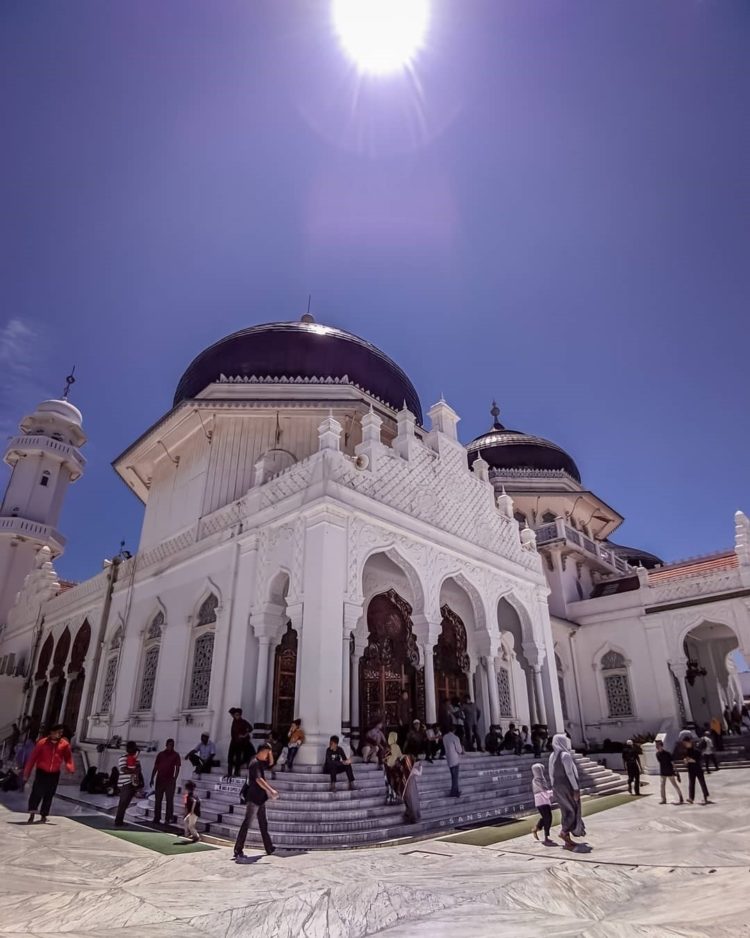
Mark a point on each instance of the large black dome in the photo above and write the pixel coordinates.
(300, 350)
(512, 449)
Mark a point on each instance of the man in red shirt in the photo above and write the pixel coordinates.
(49, 755)
(166, 770)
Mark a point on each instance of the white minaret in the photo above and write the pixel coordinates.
(45, 458)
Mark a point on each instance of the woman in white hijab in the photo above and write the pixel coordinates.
(543, 801)
(564, 777)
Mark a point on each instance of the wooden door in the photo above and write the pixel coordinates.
(451, 662)
(285, 681)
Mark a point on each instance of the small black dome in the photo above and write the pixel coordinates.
(512, 449)
(636, 557)
(300, 350)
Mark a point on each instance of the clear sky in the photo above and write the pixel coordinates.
(553, 209)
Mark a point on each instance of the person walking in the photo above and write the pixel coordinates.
(459, 720)
(257, 791)
(471, 724)
(542, 791)
(566, 790)
(166, 769)
(453, 752)
(632, 766)
(129, 780)
(693, 761)
(49, 755)
(192, 813)
(202, 757)
(295, 738)
(706, 746)
(408, 771)
(336, 762)
(667, 772)
(240, 747)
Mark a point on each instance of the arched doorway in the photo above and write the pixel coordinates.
(285, 680)
(451, 660)
(390, 663)
(77, 676)
(710, 687)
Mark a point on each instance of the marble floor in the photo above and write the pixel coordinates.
(653, 871)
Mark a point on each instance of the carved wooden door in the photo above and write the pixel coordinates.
(285, 681)
(451, 662)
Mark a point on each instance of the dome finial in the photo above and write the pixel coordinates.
(69, 382)
(308, 316)
(495, 411)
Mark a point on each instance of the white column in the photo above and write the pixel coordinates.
(346, 671)
(64, 703)
(271, 674)
(679, 669)
(323, 585)
(47, 701)
(539, 694)
(491, 672)
(354, 696)
(261, 679)
(429, 683)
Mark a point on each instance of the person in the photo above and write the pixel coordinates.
(693, 760)
(717, 733)
(278, 751)
(526, 740)
(492, 742)
(566, 790)
(471, 722)
(23, 754)
(375, 744)
(706, 746)
(445, 715)
(203, 756)
(49, 755)
(667, 772)
(632, 766)
(165, 771)
(295, 738)
(404, 717)
(538, 739)
(453, 752)
(727, 719)
(129, 780)
(512, 740)
(192, 812)
(459, 720)
(736, 718)
(434, 744)
(416, 740)
(337, 762)
(240, 747)
(542, 791)
(745, 717)
(13, 739)
(390, 762)
(406, 786)
(257, 791)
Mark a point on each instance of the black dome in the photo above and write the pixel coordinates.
(636, 557)
(300, 350)
(512, 449)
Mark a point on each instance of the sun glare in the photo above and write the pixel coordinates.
(381, 36)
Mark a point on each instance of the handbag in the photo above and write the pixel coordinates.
(244, 792)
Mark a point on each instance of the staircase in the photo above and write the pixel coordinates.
(309, 816)
(736, 752)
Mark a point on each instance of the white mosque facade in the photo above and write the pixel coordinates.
(310, 548)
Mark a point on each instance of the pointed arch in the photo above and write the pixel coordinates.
(202, 652)
(414, 580)
(150, 659)
(45, 656)
(60, 658)
(613, 674)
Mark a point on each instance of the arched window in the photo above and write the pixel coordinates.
(616, 685)
(151, 646)
(203, 654)
(503, 692)
(549, 517)
(110, 674)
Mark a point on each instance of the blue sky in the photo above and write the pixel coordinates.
(553, 210)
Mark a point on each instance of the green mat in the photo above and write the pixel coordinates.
(165, 843)
(507, 830)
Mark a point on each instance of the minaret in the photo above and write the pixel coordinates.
(45, 458)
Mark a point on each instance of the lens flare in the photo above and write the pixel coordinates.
(381, 36)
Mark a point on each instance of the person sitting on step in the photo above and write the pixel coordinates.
(416, 740)
(375, 744)
(337, 762)
(203, 756)
(295, 738)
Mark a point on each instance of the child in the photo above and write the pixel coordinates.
(192, 812)
(543, 801)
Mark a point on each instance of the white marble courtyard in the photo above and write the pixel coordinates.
(654, 871)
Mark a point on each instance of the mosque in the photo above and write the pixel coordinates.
(313, 546)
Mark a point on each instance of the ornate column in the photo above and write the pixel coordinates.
(352, 615)
(490, 668)
(294, 615)
(426, 631)
(64, 703)
(261, 679)
(679, 669)
(354, 658)
(47, 701)
(539, 694)
(267, 624)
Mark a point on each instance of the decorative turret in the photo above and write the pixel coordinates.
(45, 458)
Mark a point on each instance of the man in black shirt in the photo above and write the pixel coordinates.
(666, 770)
(336, 762)
(257, 792)
(240, 747)
(631, 760)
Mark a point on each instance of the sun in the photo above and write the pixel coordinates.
(381, 36)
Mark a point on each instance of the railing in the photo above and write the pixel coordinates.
(560, 531)
(46, 443)
(31, 529)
